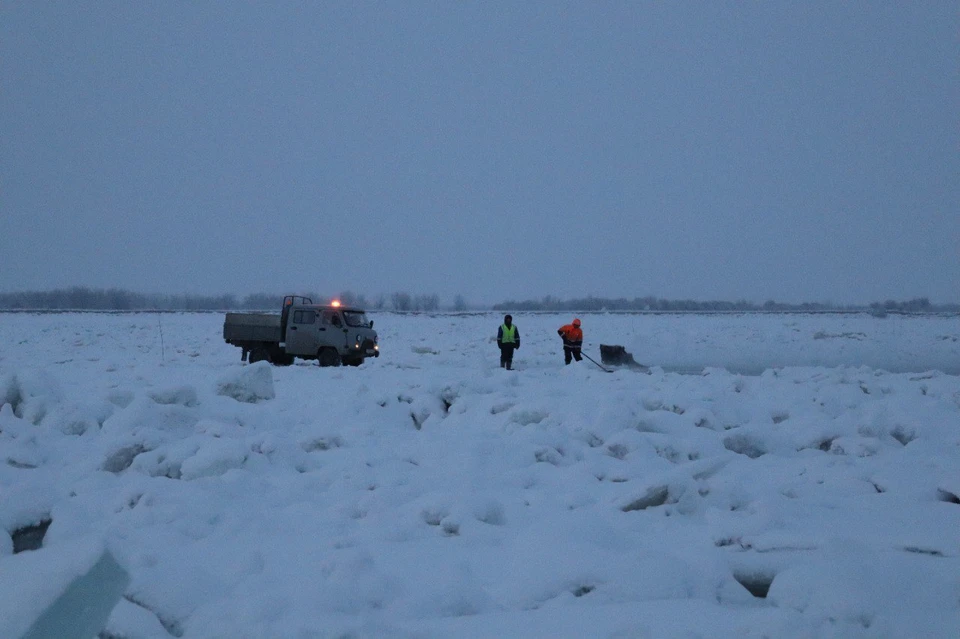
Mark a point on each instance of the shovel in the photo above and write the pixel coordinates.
(603, 368)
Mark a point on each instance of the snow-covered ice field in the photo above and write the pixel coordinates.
(774, 476)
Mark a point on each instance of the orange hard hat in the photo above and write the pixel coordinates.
(576, 322)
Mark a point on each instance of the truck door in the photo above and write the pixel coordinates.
(302, 328)
(336, 331)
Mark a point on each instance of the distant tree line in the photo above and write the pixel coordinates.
(81, 298)
(550, 303)
(87, 299)
(918, 305)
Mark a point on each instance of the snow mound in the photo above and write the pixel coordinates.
(248, 384)
(66, 591)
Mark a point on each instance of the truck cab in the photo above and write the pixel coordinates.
(333, 333)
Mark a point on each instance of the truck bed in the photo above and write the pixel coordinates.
(252, 327)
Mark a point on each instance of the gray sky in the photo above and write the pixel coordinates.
(799, 151)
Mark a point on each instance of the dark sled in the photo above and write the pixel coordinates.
(618, 356)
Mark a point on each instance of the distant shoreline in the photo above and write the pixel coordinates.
(49, 311)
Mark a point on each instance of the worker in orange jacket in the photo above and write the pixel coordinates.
(572, 340)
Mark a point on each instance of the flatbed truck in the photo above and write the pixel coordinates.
(332, 334)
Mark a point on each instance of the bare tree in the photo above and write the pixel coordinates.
(401, 301)
(426, 303)
(350, 298)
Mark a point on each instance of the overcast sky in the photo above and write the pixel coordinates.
(797, 151)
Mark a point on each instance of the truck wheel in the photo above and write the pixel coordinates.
(259, 354)
(329, 357)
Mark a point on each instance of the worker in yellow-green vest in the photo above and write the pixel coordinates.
(508, 339)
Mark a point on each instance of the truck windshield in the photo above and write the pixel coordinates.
(356, 318)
